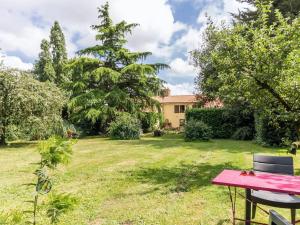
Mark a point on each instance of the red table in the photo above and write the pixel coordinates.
(260, 181)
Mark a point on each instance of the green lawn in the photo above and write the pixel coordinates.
(149, 181)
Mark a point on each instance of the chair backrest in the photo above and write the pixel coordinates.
(276, 219)
(273, 164)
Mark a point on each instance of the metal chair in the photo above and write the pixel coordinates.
(279, 165)
(277, 219)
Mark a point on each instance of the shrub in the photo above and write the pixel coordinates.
(158, 133)
(197, 130)
(60, 204)
(215, 118)
(226, 122)
(148, 121)
(125, 127)
(243, 133)
(273, 132)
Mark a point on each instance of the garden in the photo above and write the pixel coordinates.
(83, 141)
(154, 180)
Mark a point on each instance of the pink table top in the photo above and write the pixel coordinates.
(261, 181)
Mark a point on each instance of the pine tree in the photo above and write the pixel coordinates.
(114, 79)
(59, 53)
(43, 67)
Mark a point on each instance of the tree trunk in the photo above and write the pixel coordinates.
(2, 137)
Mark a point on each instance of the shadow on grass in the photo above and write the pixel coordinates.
(177, 140)
(228, 221)
(181, 178)
(12, 145)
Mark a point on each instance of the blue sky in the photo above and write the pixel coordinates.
(168, 28)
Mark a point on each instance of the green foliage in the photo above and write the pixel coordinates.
(225, 122)
(108, 78)
(60, 204)
(12, 218)
(59, 52)
(259, 63)
(125, 127)
(207, 82)
(215, 118)
(270, 132)
(54, 151)
(49, 66)
(197, 130)
(288, 8)
(243, 133)
(29, 107)
(43, 67)
(149, 121)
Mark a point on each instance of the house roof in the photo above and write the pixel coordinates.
(188, 99)
(177, 99)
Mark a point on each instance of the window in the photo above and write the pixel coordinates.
(179, 108)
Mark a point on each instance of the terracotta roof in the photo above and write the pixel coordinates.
(177, 99)
(188, 99)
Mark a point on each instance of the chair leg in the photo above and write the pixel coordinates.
(293, 216)
(253, 209)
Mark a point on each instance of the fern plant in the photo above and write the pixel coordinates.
(54, 151)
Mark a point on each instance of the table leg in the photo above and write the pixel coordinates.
(248, 207)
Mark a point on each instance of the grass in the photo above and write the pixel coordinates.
(149, 181)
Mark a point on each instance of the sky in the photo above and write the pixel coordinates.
(170, 29)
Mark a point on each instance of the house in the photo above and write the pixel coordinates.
(173, 108)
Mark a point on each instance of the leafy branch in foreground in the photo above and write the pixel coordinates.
(54, 151)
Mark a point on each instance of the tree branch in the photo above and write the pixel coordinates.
(273, 93)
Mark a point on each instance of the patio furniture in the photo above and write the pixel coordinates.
(259, 181)
(276, 165)
(277, 219)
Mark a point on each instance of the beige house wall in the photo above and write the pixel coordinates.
(171, 116)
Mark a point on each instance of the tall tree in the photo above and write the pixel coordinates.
(43, 67)
(24, 101)
(288, 8)
(59, 53)
(114, 79)
(260, 63)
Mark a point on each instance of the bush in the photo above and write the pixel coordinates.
(237, 121)
(158, 133)
(197, 130)
(35, 128)
(125, 127)
(243, 133)
(148, 121)
(273, 132)
(220, 124)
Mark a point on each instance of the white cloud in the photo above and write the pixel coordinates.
(157, 24)
(181, 89)
(180, 67)
(15, 62)
(220, 11)
(27, 22)
(19, 31)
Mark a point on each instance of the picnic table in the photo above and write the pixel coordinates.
(257, 181)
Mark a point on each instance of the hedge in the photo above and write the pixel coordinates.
(197, 130)
(215, 118)
(149, 121)
(273, 133)
(225, 122)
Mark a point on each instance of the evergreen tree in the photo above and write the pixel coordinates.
(43, 67)
(59, 53)
(113, 79)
